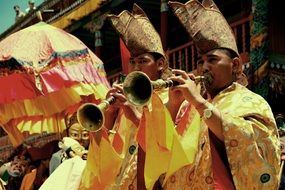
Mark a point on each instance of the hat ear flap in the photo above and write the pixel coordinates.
(210, 4)
(179, 9)
(115, 21)
(137, 10)
(120, 22)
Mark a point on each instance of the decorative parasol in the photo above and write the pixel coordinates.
(43, 72)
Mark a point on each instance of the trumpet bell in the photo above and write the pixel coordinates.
(90, 117)
(137, 88)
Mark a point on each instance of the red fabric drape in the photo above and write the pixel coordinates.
(125, 57)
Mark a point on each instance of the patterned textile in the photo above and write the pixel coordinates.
(137, 32)
(251, 142)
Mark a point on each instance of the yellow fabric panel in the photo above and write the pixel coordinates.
(91, 170)
(158, 144)
(57, 102)
(185, 147)
(166, 151)
(28, 180)
(88, 7)
(103, 165)
(123, 127)
(15, 136)
(52, 124)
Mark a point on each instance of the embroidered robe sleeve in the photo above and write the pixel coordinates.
(251, 140)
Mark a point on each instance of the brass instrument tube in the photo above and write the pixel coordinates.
(91, 116)
(138, 87)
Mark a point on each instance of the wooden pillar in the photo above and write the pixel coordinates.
(95, 27)
(259, 48)
(164, 22)
(98, 42)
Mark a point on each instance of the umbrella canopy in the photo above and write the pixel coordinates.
(44, 71)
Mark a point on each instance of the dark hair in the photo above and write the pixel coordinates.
(240, 77)
(166, 73)
(16, 6)
(232, 54)
(156, 56)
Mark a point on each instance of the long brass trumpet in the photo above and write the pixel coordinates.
(91, 116)
(138, 87)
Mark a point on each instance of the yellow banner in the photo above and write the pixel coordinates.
(87, 8)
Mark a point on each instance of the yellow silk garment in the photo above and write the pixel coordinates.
(102, 166)
(166, 150)
(107, 163)
(127, 178)
(251, 141)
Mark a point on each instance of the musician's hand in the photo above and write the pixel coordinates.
(188, 87)
(175, 96)
(121, 102)
(117, 92)
(175, 99)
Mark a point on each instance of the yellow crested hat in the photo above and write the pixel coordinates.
(205, 24)
(137, 32)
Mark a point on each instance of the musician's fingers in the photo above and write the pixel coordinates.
(110, 92)
(119, 87)
(119, 96)
(178, 79)
(191, 76)
(180, 72)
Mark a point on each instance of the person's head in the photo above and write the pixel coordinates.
(18, 166)
(153, 64)
(31, 3)
(17, 8)
(143, 42)
(215, 43)
(76, 131)
(221, 67)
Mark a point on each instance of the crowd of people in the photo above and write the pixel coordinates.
(208, 134)
(28, 166)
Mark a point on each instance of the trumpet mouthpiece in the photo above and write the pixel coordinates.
(199, 78)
